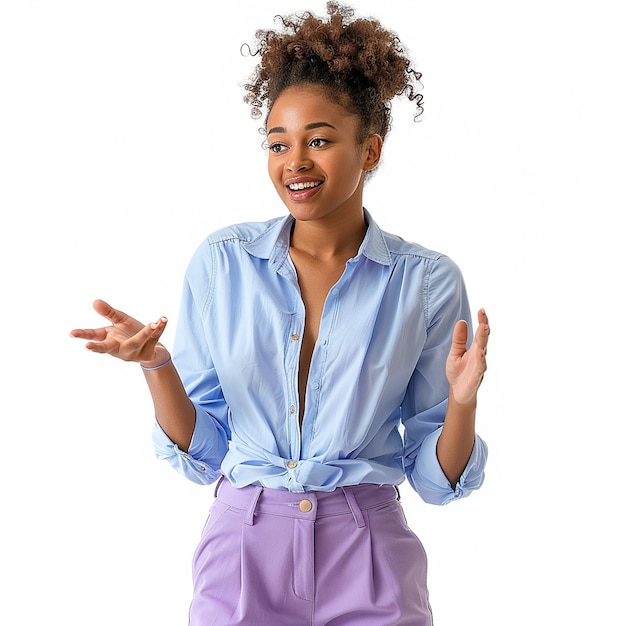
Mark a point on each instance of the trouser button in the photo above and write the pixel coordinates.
(305, 505)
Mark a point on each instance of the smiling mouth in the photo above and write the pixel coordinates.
(301, 186)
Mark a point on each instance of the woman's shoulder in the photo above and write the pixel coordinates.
(402, 247)
(232, 243)
(434, 265)
(243, 231)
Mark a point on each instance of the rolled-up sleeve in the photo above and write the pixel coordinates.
(431, 483)
(424, 406)
(209, 444)
(202, 461)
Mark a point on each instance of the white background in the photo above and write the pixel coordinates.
(124, 140)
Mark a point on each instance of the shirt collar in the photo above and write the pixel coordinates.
(273, 243)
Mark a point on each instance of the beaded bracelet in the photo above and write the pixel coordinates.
(157, 367)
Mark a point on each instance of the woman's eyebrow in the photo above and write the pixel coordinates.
(311, 126)
(318, 125)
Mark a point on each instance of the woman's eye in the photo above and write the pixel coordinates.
(277, 147)
(318, 142)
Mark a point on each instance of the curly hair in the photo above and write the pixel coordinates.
(361, 63)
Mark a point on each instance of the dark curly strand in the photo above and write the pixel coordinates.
(361, 63)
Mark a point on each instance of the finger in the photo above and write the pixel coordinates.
(103, 308)
(480, 360)
(101, 347)
(483, 331)
(96, 334)
(459, 338)
(155, 329)
(158, 327)
(147, 337)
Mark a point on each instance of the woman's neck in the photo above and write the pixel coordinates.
(330, 238)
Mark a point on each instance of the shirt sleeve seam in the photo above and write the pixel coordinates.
(427, 295)
(210, 290)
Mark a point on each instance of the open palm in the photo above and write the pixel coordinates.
(465, 368)
(125, 338)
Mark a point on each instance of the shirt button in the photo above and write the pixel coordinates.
(292, 409)
(295, 337)
(305, 505)
(291, 464)
(315, 385)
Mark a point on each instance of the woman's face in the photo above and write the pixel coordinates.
(315, 161)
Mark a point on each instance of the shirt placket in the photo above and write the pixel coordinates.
(320, 354)
(292, 365)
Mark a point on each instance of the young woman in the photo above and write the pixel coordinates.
(305, 344)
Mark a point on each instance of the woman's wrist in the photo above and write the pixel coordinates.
(161, 358)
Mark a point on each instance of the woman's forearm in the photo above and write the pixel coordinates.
(174, 410)
(456, 441)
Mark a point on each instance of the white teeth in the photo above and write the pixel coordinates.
(300, 186)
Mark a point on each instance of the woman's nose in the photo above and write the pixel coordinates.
(298, 161)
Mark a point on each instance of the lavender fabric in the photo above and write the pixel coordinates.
(272, 557)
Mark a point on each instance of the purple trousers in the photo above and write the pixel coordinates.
(276, 558)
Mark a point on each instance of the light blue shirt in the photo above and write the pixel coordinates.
(377, 392)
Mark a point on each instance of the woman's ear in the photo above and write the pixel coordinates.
(372, 152)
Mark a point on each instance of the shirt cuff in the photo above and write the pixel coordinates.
(201, 463)
(431, 483)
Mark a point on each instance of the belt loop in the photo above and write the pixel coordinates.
(397, 492)
(220, 480)
(254, 498)
(354, 506)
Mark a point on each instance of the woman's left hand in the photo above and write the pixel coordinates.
(465, 368)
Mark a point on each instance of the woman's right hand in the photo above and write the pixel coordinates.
(126, 338)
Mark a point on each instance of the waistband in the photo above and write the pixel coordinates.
(255, 500)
